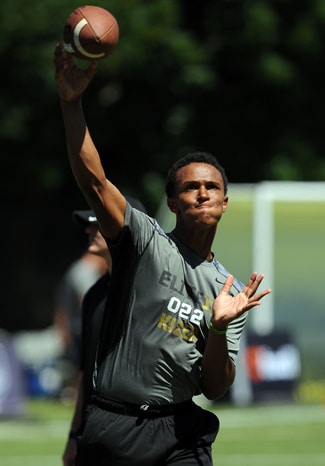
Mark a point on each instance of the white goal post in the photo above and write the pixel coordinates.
(265, 194)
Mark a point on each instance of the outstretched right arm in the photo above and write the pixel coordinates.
(103, 197)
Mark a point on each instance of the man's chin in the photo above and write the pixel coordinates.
(207, 219)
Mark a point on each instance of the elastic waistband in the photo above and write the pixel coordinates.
(143, 410)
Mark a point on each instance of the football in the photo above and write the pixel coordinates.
(90, 33)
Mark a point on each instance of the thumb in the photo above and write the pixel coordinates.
(228, 284)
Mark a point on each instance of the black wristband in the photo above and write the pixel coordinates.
(72, 434)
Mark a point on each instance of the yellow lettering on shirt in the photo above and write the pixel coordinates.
(178, 328)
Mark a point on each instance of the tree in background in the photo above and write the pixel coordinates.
(241, 79)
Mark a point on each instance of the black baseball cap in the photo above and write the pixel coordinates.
(87, 217)
(84, 217)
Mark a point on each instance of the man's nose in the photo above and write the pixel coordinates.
(203, 192)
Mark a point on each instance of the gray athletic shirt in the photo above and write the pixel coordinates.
(167, 293)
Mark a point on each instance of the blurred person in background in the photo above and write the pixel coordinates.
(92, 310)
(69, 293)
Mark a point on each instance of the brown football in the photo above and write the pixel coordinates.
(90, 33)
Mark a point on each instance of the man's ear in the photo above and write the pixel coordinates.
(225, 204)
(172, 205)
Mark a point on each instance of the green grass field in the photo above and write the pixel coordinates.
(267, 435)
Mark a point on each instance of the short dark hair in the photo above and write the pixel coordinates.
(193, 157)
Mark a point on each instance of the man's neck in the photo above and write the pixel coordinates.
(200, 242)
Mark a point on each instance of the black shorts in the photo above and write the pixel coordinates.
(126, 435)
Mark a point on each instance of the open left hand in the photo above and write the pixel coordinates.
(226, 307)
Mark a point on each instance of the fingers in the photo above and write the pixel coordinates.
(58, 49)
(251, 280)
(59, 53)
(64, 62)
(251, 288)
(253, 284)
(255, 300)
(261, 295)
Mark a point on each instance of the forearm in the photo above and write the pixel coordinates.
(89, 173)
(218, 370)
(70, 450)
(83, 156)
(76, 418)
